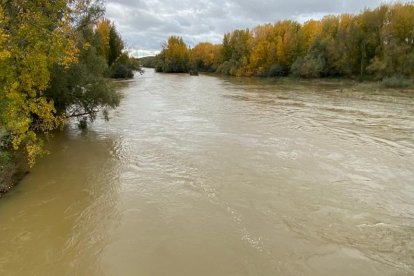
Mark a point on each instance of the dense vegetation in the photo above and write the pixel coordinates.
(148, 62)
(375, 44)
(175, 57)
(55, 60)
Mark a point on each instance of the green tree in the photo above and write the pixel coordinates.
(313, 65)
(235, 53)
(81, 90)
(116, 45)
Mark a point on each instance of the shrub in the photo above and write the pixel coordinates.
(228, 68)
(308, 67)
(121, 71)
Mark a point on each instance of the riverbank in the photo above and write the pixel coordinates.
(336, 84)
(390, 83)
(339, 84)
(12, 171)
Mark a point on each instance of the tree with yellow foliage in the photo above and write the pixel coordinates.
(376, 44)
(35, 35)
(204, 56)
(50, 69)
(175, 56)
(103, 28)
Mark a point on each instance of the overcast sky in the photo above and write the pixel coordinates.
(146, 24)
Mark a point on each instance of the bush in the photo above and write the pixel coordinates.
(227, 68)
(396, 82)
(123, 66)
(296, 68)
(121, 71)
(148, 62)
(159, 67)
(308, 67)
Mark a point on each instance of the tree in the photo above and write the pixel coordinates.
(204, 56)
(309, 32)
(53, 65)
(263, 52)
(116, 45)
(103, 28)
(122, 67)
(175, 56)
(376, 43)
(38, 35)
(367, 41)
(81, 90)
(313, 65)
(397, 42)
(236, 53)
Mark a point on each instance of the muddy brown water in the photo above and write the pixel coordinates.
(222, 176)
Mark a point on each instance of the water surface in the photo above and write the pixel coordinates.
(222, 176)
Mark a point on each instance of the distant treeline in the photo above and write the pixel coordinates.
(148, 62)
(375, 44)
(55, 60)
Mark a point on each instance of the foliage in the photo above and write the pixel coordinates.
(235, 53)
(134, 64)
(122, 68)
(375, 44)
(148, 62)
(102, 37)
(116, 45)
(54, 57)
(204, 57)
(313, 64)
(121, 71)
(81, 90)
(175, 56)
(109, 44)
(34, 36)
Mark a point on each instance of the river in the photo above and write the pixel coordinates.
(222, 176)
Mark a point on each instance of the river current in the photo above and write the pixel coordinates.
(222, 176)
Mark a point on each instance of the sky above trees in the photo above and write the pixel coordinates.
(145, 24)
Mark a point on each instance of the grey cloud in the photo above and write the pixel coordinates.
(145, 25)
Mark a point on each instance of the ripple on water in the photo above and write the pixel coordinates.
(212, 176)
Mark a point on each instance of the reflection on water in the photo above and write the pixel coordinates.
(223, 176)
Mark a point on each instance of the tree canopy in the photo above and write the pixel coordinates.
(374, 44)
(174, 57)
(54, 58)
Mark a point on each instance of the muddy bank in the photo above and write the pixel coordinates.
(12, 171)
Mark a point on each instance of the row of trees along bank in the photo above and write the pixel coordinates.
(56, 58)
(375, 44)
